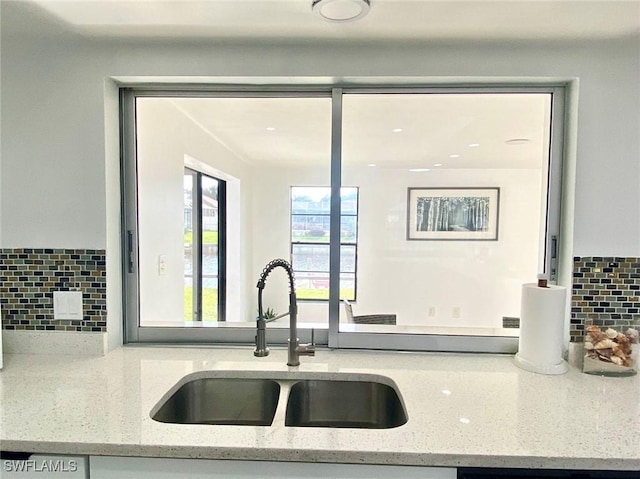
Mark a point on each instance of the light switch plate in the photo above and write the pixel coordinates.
(67, 305)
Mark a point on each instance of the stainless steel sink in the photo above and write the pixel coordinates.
(235, 401)
(337, 404)
(314, 400)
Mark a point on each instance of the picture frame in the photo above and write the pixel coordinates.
(453, 214)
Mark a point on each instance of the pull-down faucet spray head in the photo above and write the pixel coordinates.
(295, 349)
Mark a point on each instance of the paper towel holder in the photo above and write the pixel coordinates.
(559, 368)
(541, 329)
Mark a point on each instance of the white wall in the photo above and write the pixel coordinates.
(481, 278)
(165, 137)
(53, 145)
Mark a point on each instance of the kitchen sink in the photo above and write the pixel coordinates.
(343, 400)
(355, 404)
(235, 401)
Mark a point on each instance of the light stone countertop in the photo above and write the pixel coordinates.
(510, 417)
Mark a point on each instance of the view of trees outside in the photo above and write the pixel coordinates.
(310, 231)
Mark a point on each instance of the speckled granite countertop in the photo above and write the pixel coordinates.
(464, 410)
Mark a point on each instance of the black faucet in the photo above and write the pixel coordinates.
(295, 349)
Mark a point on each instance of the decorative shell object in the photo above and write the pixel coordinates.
(610, 352)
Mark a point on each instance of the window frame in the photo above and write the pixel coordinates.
(332, 336)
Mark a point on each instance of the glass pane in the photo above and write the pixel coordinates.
(316, 286)
(189, 182)
(348, 201)
(310, 200)
(312, 285)
(260, 148)
(210, 255)
(453, 194)
(348, 286)
(310, 257)
(347, 259)
(316, 258)
(310, 228)
(348, 229)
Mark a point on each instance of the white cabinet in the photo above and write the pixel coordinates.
(39, 466)
(106, 467)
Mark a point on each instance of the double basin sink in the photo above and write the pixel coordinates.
(249, 398)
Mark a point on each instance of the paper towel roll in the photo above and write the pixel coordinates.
(542, 316)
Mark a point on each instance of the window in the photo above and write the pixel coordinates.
(204, 247)
(220, 182)
(310, 227)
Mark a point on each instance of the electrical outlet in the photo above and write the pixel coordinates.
(456, 312)
(432, 311)
(67, 305)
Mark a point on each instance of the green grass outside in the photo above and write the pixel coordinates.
(209, 303)
(314, 293)
(208, 237)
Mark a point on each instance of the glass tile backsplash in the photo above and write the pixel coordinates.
(28, 278)
(605, 292)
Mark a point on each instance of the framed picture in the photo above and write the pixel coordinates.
(453, 214)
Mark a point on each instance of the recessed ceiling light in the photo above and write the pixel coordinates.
(371, 164)
(517, 141)
(419, 170)
(473, 145)
(465, 420)
(438, 164)
(446, 392)
(454, 156)
(397, 130)
(271, 128)
(341, 11)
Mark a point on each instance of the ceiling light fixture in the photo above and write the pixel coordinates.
(473, 145)
(418, 170)
(438, 164)
(341, 11)
(271, 128)
(397, 130)
(454, 156)
(371, 165)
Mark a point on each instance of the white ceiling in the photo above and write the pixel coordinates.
(435, 128)
(415, 20)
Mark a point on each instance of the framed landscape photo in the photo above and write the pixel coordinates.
(453, 213)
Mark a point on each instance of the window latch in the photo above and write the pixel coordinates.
(130, 251)
(553, 267)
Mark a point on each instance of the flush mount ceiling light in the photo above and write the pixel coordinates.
(341, 11)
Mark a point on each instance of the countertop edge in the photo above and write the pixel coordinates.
(323, 456)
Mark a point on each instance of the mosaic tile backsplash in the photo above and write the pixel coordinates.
(606, 292)
(28, 278)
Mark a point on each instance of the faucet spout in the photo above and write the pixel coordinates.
(295, 350)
